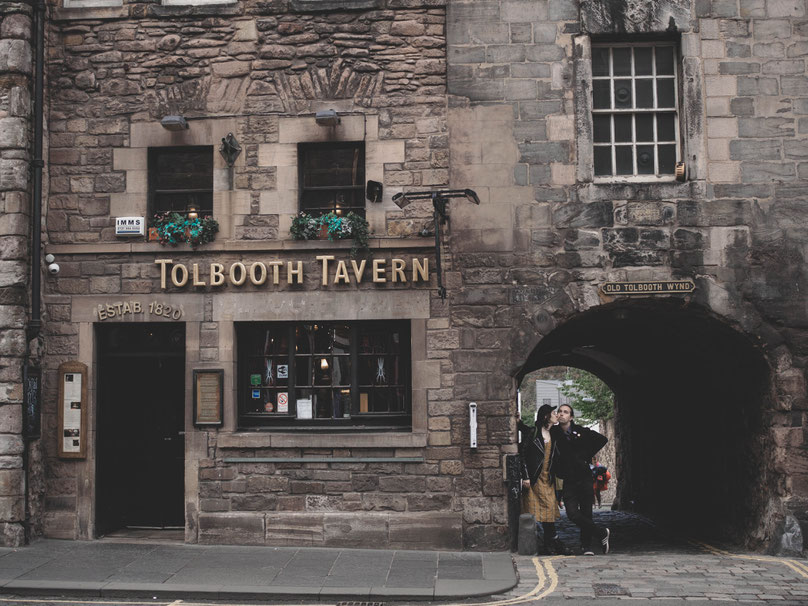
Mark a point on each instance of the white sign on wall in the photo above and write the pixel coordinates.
(130, 226)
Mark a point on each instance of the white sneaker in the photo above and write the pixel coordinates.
(605, 542)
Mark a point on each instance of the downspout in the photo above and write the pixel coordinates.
(35, 323)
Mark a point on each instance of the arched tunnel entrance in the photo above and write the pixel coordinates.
(691, 395)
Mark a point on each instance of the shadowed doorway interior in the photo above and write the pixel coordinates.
(140, 427)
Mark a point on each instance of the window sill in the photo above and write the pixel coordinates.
(140, 246)
(95, 13)
(599, 191)
(324, 439)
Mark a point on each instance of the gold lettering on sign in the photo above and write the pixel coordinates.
(342, 273)
(258, 279)
(179, 268)
(398, 270)
(378, 271)
(242, 273)
(258, 273)
(298, 273)
(216, 274)
(324, 259)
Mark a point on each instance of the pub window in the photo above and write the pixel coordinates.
(324, 374)
(635, 110)
(181, 179)
(332, 177)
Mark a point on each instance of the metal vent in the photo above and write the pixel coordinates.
(609, 589)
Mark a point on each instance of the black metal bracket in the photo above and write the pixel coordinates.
(440, 216)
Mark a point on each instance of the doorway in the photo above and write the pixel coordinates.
(140, 426)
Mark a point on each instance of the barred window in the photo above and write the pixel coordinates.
(635, 110)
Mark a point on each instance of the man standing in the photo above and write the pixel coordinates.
(576, 447)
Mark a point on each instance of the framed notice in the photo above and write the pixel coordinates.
(208, 396)
(72, 405)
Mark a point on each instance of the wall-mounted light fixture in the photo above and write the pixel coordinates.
(174, 123)
(327, 117)
(192, 213)
(440, 215)
(230, 149)
(373, 191)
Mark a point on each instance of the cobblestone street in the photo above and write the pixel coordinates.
(649, 562)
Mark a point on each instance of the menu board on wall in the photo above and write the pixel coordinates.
(72, 407)
(208, 390)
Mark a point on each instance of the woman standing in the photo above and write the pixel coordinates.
(538, 481)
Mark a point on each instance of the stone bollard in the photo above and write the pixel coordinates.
(528, 543)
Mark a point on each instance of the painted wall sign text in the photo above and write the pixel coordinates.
(648, 288)
(258, 273)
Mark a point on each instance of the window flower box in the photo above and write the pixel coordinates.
(172, 228)
(333, 227)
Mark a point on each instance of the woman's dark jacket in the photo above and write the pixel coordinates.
(575, 451)
(532, 450)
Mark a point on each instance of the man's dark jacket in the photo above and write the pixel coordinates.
(532, 450)
(575, 451)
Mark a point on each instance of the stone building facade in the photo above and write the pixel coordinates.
(583, 233)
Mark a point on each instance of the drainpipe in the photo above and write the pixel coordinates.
(37, 163)
(32, 388)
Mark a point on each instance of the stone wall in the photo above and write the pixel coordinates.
(531, 258)
(15, 155)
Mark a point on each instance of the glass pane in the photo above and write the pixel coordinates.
(382, 400)
(665, 96)
(645, 127)
(303, 371)
(341, 403)
(602, 126)
(625, 160)
(322, 338)
(322, 404)
(645, 93)
(304, 340)
(645, 159)
(600, 61)
(367, 370)
(642, 61)
(664, 60)
(382, 371)
(182, 168)
(603, 161)
(322, 370)
(622, 127)
(667, 159)
(600, 94)
(326, 165)
(666, 129)
(342, 370)
(342, 339)
(622, 61)
(622, 93)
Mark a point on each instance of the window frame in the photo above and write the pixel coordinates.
(358, 187)
(633, 111)
(153, 154)
(249, 333)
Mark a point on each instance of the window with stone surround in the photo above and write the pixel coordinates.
(181, 178)
(635, 109)
(332, 177)
(324, 374)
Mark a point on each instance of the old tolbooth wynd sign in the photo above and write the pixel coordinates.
(258, 273)
(667, 287)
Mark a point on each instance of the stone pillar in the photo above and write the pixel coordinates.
(16, 85)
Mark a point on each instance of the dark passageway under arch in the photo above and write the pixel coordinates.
(691, 398)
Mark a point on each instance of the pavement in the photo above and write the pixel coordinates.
(105, 569)
(647, 563)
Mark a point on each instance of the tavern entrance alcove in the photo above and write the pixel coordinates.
(691, 399)
(140, 426)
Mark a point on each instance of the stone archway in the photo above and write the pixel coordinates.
(693, 396)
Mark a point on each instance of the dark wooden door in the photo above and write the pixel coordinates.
(141, 441)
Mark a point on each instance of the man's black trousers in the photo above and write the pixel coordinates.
(578, 497)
